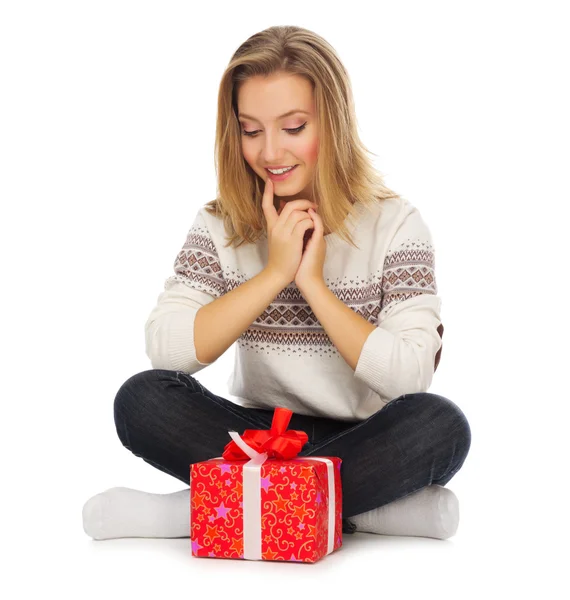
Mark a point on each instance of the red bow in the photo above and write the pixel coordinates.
(277, 442)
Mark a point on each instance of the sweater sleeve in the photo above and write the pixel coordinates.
(197, 281)
(400, 356)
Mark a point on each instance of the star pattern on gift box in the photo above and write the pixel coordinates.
(222, 511)
(306, 473)
(270, 555)
(211, 533)
(237, 546)
(281, 504)
(198, 501)
(300, 511)
(294, 509)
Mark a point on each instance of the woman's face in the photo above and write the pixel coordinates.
(264, 100)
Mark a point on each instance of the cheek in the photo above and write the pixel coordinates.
(313, 152)
(248, 157)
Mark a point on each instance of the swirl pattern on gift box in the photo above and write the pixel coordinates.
(293, 513)
(294, 504)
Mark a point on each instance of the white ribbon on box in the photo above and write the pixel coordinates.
(252, 498)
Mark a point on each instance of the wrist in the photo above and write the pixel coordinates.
(311, 285)
(274, 278)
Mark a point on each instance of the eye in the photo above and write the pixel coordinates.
(290, 131)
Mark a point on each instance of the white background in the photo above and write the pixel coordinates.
(106, 153)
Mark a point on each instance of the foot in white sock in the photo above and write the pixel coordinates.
(432, 511)
(123, 512)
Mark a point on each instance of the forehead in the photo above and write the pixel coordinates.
(268, 98)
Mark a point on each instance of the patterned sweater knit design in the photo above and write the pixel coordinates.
(285, 357)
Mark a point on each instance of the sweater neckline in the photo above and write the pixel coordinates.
(351, 223)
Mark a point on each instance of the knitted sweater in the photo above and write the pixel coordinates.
(285, 357)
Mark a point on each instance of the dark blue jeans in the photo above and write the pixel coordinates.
(170, 420)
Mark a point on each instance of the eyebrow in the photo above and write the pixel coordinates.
(287, 114)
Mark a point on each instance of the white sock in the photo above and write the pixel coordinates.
(123, 512)
(432, 511)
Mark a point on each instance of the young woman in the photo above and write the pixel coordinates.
(326, 280)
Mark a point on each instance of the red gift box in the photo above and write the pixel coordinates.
(274, 506)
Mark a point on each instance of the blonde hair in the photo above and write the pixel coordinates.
(344, 174)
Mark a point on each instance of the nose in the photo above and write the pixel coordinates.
(273, 149)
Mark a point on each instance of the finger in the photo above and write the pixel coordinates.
(318, 222)
(306, 237)
(267, 203)
(281, 205)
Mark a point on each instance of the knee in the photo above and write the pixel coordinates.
(454, 423)
(135, 392)
(131, 389)
(447, 418)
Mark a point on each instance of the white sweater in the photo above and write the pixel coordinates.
(285, 357)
